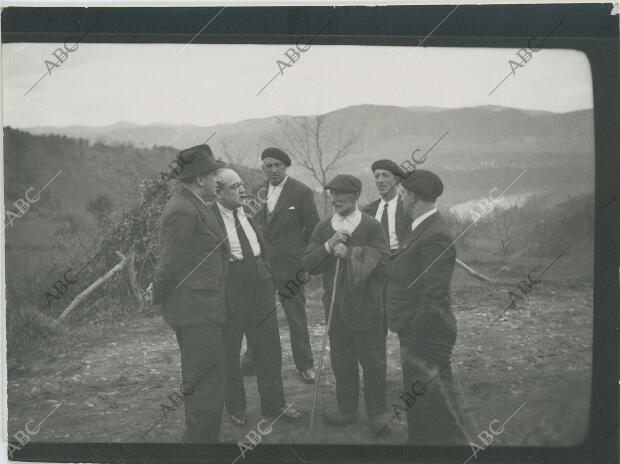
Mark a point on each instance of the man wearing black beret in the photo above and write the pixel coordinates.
(277, 154)
(388, 209)
(287, 217)
(418, 309)
(356, 334)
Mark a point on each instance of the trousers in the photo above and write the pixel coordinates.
(348, 350)
(203, 370)
(250, 310)
(425, 351)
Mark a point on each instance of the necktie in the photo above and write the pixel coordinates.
(246, 248)
(384, 221)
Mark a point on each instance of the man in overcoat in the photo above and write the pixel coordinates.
(189, 284)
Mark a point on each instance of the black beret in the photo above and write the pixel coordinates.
(388, 165)
(344, 183)
(197, 161)
(426, 184)
(277, 154)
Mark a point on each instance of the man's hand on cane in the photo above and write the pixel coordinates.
(339, 250)
(341, 236)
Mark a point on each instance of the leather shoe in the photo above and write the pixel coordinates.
(379, 425)
(239, 419)
(308, 376)
(289, 414)
(339, 418)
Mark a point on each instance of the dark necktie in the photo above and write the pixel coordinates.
(384, 221)
(246, 248)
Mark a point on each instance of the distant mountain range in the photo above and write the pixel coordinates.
(477, 135)
(483, 147)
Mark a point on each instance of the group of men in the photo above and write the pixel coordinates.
(222, 266)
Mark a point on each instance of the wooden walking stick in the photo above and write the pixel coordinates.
(329, 323)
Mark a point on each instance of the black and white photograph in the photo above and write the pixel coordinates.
(306, 242)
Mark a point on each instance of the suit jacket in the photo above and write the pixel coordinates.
(193, 261)
(403, 222)
(288, 228)
(418, 288)
(366, 312)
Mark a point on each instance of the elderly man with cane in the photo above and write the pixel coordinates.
(354, 244)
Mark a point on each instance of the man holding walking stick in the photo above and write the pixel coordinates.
(356, 333)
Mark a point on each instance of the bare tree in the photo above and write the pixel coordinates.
(229, 154)
(317, 147)
(505, 225)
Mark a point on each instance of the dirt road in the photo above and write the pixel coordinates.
(111, 380)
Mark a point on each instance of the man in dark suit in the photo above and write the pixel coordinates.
(388, 209)
(287, 217)
(250, 301)
(418, 308)
(189, 284)
(356, 334)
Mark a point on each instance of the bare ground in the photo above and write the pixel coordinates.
(112, 378)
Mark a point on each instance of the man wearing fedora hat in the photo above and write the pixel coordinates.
(189, 284)
(287, 218)
(356, 334)
(418, 309)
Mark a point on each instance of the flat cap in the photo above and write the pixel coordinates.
(426, 184)
(388, 165)
(344, 183)
(197, 161)
(277, 154)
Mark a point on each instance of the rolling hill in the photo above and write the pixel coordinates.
(476, 135)
(483, 147)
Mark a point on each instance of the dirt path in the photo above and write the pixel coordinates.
(112, 380)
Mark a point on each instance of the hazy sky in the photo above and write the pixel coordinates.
(102, 84)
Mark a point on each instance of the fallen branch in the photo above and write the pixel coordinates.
(472, 272)
(96, 284)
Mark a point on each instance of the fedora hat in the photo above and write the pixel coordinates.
(197, 161)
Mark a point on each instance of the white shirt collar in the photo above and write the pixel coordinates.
(228, 211)
(392, 202)
(279, 186)
(421, 219)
